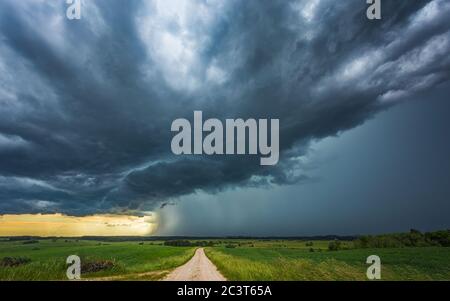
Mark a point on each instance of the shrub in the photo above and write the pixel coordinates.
(28, 242)
(92, 266)
(334, 245)
(13, 261)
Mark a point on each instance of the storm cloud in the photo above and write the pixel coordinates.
(86, 105)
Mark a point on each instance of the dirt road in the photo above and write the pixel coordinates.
(199, 268)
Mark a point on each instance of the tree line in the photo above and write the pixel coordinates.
(413, 238)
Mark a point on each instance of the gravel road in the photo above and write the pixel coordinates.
(199, 268)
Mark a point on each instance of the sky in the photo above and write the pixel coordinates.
(86, 108)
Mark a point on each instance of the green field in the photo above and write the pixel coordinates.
(237, 259)
(299, 263)
(131, 259)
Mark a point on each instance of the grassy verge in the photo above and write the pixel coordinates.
(130, 258)
(428, 263)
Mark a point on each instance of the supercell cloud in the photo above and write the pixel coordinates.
(86, 106)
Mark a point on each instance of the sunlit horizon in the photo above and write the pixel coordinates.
(61, 225)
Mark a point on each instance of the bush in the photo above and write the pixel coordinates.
(309, 244)
(334, 245)
(13, 261)
(28, 242)
(92, 266)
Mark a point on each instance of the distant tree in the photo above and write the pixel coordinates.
(178, 243)
(334, 245)
(414, 238)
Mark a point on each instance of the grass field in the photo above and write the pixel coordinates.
(237, 259)
(299, 263)
(130, 258)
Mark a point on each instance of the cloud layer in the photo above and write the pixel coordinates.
(86, 106)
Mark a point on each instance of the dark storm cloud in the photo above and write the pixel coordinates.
(86, 106)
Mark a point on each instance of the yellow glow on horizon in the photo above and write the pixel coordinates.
(63, 225)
